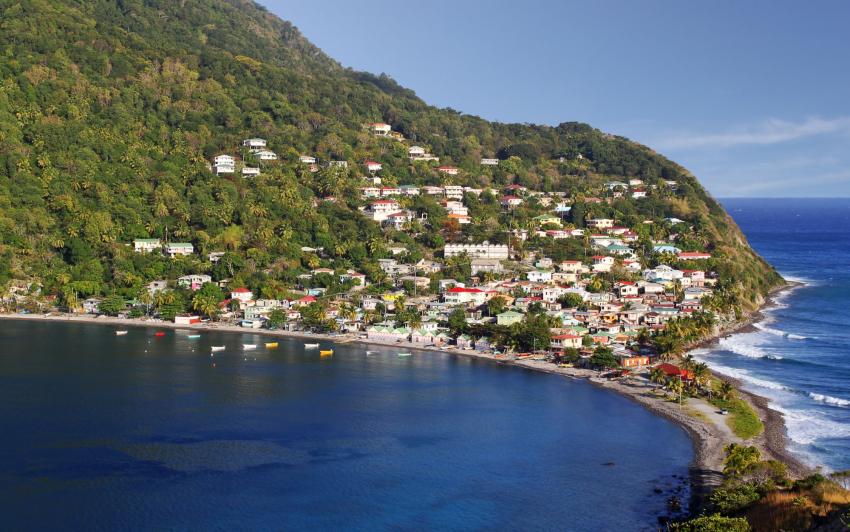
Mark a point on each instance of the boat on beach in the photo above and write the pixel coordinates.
(120, 333)
(326, 352)
(311, 346)
(248, 347)
(217, 348)
(271, 345)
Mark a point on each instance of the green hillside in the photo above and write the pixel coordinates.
(111, 111)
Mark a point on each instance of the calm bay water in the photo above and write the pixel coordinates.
(800, 356)
(138, 432)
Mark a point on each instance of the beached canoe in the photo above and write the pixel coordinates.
(271, 345)
(120, 333)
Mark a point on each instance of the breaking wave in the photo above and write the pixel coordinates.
(828, 399)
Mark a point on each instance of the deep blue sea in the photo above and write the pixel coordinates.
(800, 356)
(106, 432)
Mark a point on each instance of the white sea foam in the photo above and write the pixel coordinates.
(777, 332)
(808, 426)
(748, 345)
(828, 399)
(744, 376)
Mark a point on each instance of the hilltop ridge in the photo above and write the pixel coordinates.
(111, 113)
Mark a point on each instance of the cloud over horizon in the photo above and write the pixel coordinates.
(771, 131)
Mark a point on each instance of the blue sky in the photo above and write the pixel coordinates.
(753, 97)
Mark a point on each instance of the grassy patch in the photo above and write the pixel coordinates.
(742, 419)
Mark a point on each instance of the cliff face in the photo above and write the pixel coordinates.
(111, 110)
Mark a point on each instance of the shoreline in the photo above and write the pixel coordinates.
(707, 438)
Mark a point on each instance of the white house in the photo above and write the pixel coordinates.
(602, 263)
(243, 295)
(477, 251)
(172, 249)
(370, 192)
(379, 128)
(254, 144)
(450, 170)
(248, 171)
(453, 191)
(540, 276)
(600, 223)
(193, 282)
(215, 256)
(307, 159)
(266, 155)
(145, 245)
(380, 210)
(373, 166)
(511, 201)
(416, 152)
(489, 162)
(462, 296)
(224, 164)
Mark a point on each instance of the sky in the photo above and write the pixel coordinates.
(753, 97)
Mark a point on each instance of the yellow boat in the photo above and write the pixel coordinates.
(326, 353)
(270, 345)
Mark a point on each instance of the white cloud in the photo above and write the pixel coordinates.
(772, 131)
(774, 186)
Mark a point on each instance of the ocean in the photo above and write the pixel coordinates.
(799, 356)
(105, 432)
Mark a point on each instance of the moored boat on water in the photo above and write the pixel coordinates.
(217, 348)
(271, 345)
(193, 336)
(405, 354)
(120, 333)
(326, 352)
(248, 347)
(311, 346)
(159, 333)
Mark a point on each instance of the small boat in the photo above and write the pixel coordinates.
(193, 336)
(405, 354)
(311, 346)
(371, 352)
(217, 348)
(326, 352)
(120, 333)
(271, 345)
(249, 346)
(159, 333)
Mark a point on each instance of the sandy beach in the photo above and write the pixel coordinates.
(706, 428)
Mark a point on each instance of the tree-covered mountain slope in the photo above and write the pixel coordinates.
(112, 111)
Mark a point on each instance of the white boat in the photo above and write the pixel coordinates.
(405, 354)
(193, 336)
(120, 333)
(371, 352)
(311, 346)
(249, 346)
(217, 348)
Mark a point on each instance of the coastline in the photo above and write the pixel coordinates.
(707, 437)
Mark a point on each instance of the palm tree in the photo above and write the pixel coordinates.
(726, 390)
(677, 387)
(701, 372)
(657, 377)
(688, 362)
(206, 304)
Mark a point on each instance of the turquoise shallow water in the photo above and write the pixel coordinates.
(135, 432)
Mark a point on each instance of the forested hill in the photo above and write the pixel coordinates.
(111, 112)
